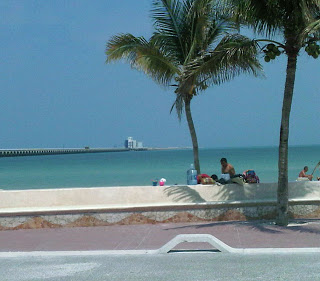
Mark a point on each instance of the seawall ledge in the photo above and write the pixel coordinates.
(35, 211)
(102, 206)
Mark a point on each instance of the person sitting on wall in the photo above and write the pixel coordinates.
(228, 173)
(303, 174)
(227, 168)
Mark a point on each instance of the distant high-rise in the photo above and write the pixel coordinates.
(132, 144)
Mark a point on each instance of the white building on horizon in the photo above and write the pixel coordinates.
(132, 144)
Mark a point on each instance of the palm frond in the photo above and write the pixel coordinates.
(155, 64)
(196, 27)
(265, 16)
(219, 26)
(178, 105)
(312, 28)
(167, 17)
(168, 45)
(124, 46)
(271, 16)
(205, 24)
(142, 55)
(235, 54)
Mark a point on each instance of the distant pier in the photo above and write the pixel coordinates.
(52, 151)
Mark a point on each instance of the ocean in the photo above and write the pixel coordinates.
(142, 167)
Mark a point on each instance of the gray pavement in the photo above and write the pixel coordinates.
(173, 266)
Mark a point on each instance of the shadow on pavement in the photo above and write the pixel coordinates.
(263, 226)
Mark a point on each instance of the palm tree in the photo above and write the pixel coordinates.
(297, 22)
(190, 50)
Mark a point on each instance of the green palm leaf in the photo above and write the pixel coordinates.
(235, 54)
(142, 55)
(168, 16)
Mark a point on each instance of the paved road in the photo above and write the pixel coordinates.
(175, 266)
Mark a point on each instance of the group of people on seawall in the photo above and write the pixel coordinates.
(304, 176)
(228, 175)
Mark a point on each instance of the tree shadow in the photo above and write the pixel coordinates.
(205, 225)
(229, 192)
(300, 226)
(232, 192)
(263, 226)
(183, 193)
(235, 192)
(240, 224)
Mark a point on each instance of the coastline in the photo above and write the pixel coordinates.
(55, 151)
(168, 148)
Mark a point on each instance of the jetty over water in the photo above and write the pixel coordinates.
(52, 151)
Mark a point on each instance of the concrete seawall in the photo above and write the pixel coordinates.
(144, 204)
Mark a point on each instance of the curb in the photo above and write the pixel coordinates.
(167, 248)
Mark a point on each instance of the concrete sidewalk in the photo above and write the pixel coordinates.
(257, 234)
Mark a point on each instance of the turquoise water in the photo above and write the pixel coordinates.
(140, 168)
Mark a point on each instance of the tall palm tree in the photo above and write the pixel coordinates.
(297, 22)
(190, 50)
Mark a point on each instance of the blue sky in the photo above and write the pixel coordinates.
(57, 91)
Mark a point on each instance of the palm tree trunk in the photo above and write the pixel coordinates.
(282, 193)
(193, 135)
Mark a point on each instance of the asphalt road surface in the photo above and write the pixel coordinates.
(162, 267)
